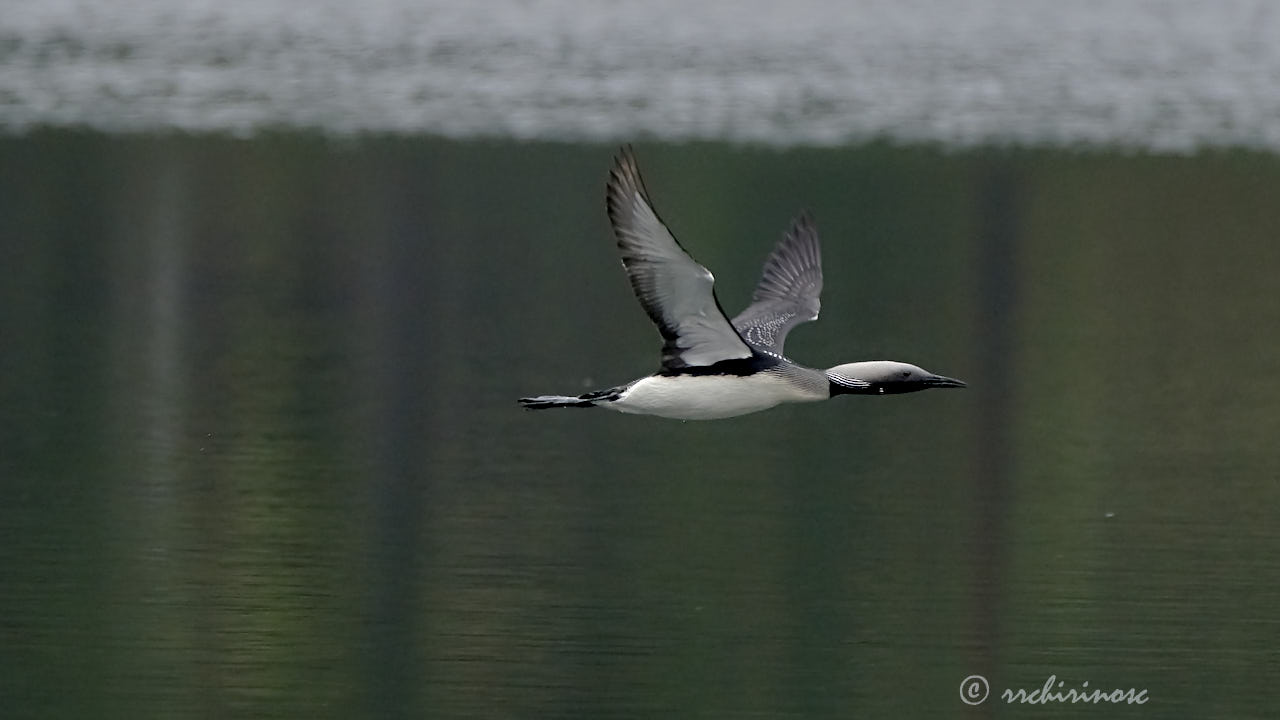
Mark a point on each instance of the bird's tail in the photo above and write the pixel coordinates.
(591, 399)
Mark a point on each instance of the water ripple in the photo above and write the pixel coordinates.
(1165, 75)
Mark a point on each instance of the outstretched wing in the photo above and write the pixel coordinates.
(788, 291)
(675, 290)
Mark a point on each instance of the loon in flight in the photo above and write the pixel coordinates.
(714, 367)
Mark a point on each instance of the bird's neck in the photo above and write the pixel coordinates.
(841, 384)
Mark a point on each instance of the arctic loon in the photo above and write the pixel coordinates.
(712, 367)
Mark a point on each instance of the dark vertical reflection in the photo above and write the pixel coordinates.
(398, 307)
(998, 224)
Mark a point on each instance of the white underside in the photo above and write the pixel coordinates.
(707, 397)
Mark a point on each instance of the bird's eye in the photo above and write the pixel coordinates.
(906, 373)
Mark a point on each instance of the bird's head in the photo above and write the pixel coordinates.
(884, 377)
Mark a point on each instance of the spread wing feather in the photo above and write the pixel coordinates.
(676, 292)
(787, 294)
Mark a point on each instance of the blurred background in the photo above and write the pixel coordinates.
(273, 273)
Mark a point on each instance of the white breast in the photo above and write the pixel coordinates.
(708, 397)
